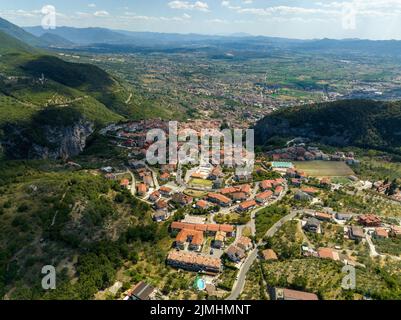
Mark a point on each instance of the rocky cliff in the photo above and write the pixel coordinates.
(47, 142)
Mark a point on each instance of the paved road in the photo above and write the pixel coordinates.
(240, 282)
(154, 177)
(133, 188)
(373, 252)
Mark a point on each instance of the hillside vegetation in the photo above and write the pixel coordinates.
(360, 123)
(42, 96)
(18, 33)
(76, 221)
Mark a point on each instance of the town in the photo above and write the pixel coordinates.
(213, 210)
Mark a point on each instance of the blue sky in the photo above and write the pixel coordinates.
(373, 19)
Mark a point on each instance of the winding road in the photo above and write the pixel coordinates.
(252, 256)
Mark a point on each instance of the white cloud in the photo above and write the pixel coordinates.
(101, 13)
(186, 5)
(135, 17)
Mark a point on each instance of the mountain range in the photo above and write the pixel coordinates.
(49, 107)
(82, 37)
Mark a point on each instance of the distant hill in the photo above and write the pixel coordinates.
(19, 33)
(75, 75)
(83, 36)
(120, 40)
(361, 123)
(383, 47)
(10, 44)
(53, 40)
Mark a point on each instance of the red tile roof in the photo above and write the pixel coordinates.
(142, 188)
(369, 220)
(202, 204)
(124, 182)
(264, 195)
(190, 258)
(219, 197)
(269, 254)
(298, 295)
(266, 184)
(247, 204)
(176, 225)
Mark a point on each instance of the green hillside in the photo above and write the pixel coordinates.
(75, 75)
(361, 123)
(55, 40)
(10, 44)
(70, 219)
(39, 90)
(19, 33)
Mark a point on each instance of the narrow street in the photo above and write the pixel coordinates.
(252, 256)
(239, 284)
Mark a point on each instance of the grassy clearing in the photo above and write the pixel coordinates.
(201, 183)
(195, 193)
(324, 168)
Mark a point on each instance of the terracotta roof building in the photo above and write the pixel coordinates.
(194, 262)
(309, 190)
(323, 216)
(264, 196)
(266, 185)
(247, 205)
(328, 253)
(356, 233)
(381, 233)
(288, 294)
(369, 220)
(269, 255)
(210, 228)
(193, 237)
(141, 291)
(235, 253)
(165, 191)
(244, 243)
(202, 204)
(219, 199)
(395, 231)
(142, 189)
(124, 183)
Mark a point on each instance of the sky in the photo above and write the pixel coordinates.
(301, 19)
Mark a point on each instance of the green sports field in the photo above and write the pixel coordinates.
(201, 183)
(324, 168)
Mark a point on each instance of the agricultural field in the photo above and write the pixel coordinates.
(390, 246)
(324, 278)
(255, 288)
(324, 168)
